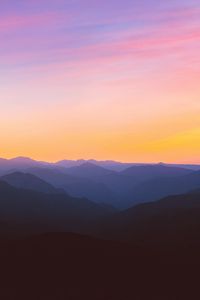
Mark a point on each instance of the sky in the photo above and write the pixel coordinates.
(100, 79)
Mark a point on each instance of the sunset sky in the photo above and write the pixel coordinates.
(100, 79)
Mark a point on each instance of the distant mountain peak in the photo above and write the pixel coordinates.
(89, 164)
(161, 164)
(19, 174)
(22, 159)
(91, 167)
(28, 181)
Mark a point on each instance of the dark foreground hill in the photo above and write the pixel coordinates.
(169, 222)
(68, 266)
(150, 251)
(27, 210)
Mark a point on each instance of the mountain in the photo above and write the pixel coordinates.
(19, 164)
(168, 222)
(75, 186)
(149, 251)
(90, 179)
(28, 181)
(35, 210)
(70, 163)
(157, 188)
(107, 164)
(147, 172)
(3, 161)
(98, 184)
(89, 170)
(121, 184)
(24, 162)
(119, 166)
(3, 166)
(111, 165)
(186, 166)
(196, 191)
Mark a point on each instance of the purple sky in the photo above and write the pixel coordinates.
(112, 71)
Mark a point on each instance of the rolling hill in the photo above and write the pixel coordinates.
(157, 188)
(75, 186)
(30, 182)
(34, 211)
(171, 221)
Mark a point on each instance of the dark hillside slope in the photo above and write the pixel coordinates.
(41, 211)
(68, 266)
(157, 188)
(75, 186)
(30, 182)
(171, 221)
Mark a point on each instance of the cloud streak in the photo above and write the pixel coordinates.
(130, 63)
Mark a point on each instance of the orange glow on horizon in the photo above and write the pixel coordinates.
(115, 86)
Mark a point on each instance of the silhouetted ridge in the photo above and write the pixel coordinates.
(35, 211)
(156, 188)
(74, 185)
(94, 180)
(30, 182)
(151, 171)
(89, 170)
(173, 220)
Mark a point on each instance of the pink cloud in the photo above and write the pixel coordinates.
(49, 53)
(15, 22)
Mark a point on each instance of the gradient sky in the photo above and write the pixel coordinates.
(100, 79)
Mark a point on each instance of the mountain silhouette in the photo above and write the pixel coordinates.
(19, 164)
(157, 188)
(144, 173)
(75, 186)
(93, 180)
(29, 181)
(148, 251)
(170, 221)
(89, 170)
(107, 164)
(41, 211)
(66, 163)
(101, 185)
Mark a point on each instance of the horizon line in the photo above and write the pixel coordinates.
(98, 160)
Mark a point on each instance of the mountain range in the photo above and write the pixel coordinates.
(41, 211)
(121, 189)
(88, 232)
(34, 210)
